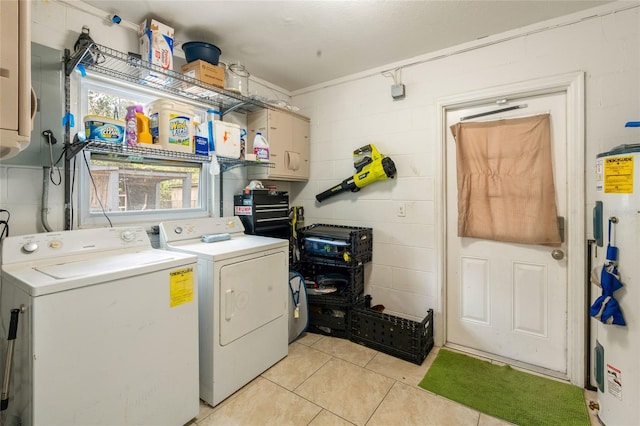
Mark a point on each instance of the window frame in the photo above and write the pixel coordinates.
(86, 218)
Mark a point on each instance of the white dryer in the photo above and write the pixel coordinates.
(243, 288)
(108, 329)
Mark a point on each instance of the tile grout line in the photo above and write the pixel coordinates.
(381, 401)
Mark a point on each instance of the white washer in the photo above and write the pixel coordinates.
(108, 335)
(243, 288)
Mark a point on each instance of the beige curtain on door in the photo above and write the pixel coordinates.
(505, 181)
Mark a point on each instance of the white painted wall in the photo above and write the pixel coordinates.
(351, 112)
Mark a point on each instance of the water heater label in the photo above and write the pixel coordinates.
(180, 287)
(614, 381)
(618, 175)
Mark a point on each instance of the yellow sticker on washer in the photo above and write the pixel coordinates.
(618, 175)
(181, 286)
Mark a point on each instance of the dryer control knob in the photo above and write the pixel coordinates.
(128, 236)
(30, 247)
(178, 230)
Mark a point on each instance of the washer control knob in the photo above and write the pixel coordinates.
(128, 236)
(178, 230)
(55, 244)
(30, 247)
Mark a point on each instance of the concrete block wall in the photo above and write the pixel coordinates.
(357, 110)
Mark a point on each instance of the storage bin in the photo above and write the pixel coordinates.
(349, 290)
(342, 244)
(396, 336)
(330, 321)
(171, 125)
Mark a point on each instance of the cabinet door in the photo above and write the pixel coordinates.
(280, 140)
(297, 160)
(9, 64)
(288, 137)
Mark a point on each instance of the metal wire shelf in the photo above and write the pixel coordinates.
(140, 153)
(131, 68)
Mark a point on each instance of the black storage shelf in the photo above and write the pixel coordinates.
(330, 321)
(346, 295)
(399, 337)
(313, 328)
(346, 245)
(318, 260)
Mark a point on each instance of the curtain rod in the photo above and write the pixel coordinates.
(482, 114)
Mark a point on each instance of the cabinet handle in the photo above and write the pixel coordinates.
(229, 301)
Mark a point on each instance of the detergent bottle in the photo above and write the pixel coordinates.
(142, 123)
(261, 147)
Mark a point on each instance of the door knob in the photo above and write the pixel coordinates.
(557, 254)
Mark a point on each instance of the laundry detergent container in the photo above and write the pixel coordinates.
(226, 139)
(171, 125)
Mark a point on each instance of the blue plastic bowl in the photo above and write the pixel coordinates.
(195, 50)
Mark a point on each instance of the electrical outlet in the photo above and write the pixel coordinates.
(402, 209)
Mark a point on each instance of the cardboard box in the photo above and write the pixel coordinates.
(156, 47)
(205, 72)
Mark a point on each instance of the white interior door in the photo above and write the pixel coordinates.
(503, 299)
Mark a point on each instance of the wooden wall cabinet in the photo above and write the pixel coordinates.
(17, 102)
(288, 137)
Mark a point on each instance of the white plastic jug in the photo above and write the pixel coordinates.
(261, 147)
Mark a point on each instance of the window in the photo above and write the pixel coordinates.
(126, 189)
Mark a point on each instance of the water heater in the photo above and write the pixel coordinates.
(617, 223)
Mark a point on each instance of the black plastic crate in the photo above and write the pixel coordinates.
(345, 244)
(330, 320)
(399, 337)
(342, 334)
(346, 294)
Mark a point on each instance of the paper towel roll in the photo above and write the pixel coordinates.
(293, 160)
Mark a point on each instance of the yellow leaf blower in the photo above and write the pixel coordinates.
(371, 166)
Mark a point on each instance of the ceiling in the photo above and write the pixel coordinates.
(296, 44)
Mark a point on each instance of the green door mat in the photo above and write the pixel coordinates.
(500, 391)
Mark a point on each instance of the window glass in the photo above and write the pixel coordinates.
(108, 104)
(120, 186)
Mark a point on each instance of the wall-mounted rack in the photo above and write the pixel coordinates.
(136, 153)
(129, 67)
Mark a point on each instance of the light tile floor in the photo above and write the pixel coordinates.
(330, 381)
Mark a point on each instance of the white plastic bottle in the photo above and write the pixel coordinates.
(261, 147)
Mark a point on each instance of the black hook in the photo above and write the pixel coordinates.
(50, 138)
